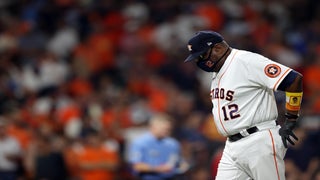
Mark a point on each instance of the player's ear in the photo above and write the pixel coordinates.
(218, 48)
(221, 48)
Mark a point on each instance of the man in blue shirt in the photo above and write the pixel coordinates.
(155, 155)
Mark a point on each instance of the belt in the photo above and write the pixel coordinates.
(243, 134)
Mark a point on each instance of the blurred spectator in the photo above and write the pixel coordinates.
(316, 175)
(312, 85)
(71, 67)
(210, 132)
(140, 114)
(10, 153)
(198, 173)
(44, 159)
(64, 40)
(194, 144)
(215, 162)
(18, 125)
(94, 158)
(303, 159)
(155, 155)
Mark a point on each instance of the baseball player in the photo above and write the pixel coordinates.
(244, 107)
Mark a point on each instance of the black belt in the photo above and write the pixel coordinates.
(238, 136)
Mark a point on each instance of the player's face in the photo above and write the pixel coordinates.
(207, 60)
(205, 57)
(213, 54)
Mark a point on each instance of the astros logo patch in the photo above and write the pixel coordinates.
(272, 70)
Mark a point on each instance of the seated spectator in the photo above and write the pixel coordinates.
(10, 154)
(155, 155)
(95, 159)
(43, 160)
(18, 127)
(302, 160)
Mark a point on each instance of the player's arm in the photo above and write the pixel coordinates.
(292, 85)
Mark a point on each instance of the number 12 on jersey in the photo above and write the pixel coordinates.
(230, 112)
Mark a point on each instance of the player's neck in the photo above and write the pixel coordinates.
(222, 60)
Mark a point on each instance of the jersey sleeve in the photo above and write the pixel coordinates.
(265, 72)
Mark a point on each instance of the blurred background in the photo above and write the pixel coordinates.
(72, 67)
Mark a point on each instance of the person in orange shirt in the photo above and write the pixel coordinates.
(312, 85)
(10, 153)
(96, 160)
(44, 158)
(18, 127)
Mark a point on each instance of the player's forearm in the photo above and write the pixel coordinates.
(294, 96)
(296, 85)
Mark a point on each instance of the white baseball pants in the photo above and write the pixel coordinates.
(258, 156)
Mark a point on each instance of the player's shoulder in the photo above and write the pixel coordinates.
(244, 55)
(247, 58)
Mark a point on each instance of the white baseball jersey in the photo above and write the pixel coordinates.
(242, 92)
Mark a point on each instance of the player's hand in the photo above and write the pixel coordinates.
(286, 132)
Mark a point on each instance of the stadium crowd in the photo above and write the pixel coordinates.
(80, 79)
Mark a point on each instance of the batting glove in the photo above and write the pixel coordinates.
(286, 131)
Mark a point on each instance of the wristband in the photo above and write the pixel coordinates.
(291, 116)
(293, 101)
